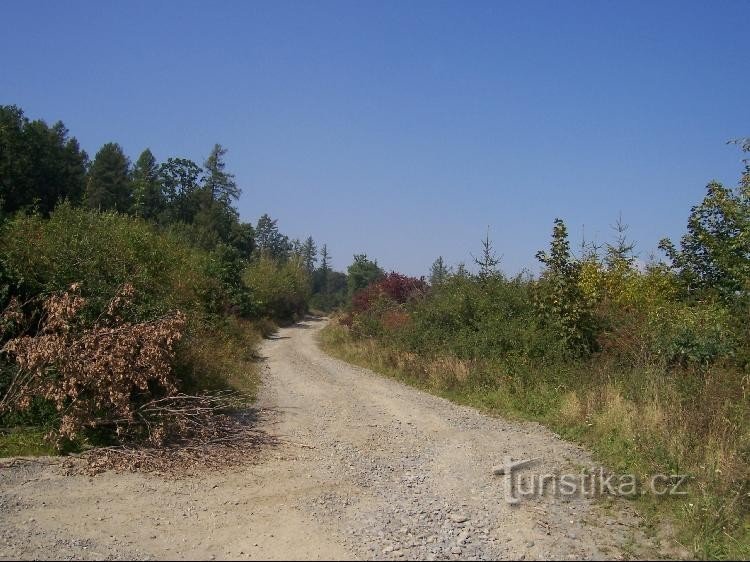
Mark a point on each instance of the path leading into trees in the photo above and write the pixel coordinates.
(368, 468)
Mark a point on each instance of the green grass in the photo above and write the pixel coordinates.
(24, 442)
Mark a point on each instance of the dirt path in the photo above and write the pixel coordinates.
(394, 473)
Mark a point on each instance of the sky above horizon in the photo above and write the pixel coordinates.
(404, 130)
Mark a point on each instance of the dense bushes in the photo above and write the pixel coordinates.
(103, 251)
(279, 289)
(100, 254)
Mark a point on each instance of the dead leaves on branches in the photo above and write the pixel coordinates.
(117, 375)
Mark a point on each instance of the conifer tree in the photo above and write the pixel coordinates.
(439, 271)
(219, 183)
(109, 185)
(489, 261)
(148, 198)
(309, 254)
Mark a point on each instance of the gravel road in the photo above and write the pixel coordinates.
(367, 468)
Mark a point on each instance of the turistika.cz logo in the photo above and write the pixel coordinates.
(520, 484)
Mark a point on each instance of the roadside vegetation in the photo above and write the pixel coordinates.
(133, 297)
(647, 364)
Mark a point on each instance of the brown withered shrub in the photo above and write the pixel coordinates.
(108, 374)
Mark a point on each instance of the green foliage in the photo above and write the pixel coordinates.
(488, 262)
(559, 301)
(698, 335)
(148, 197)
(329, 288)
(227, 265)
(109, 187)
(471, 317)
(279, 289)
(439, 272)
(309, 255)
(39, 165)
(104, 251)
(714, 254)
(217, 181)
(180, 181)
(361, 273)
(269, 242)
(24, 442)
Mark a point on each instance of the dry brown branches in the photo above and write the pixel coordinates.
(95, 375)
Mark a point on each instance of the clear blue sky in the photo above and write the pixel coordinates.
(404, 129)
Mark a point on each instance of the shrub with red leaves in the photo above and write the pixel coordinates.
(399, 288)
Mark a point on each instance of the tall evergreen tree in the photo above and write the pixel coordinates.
(109, 185)
(325, 258)
(322, 275)
(296, 248)
(219, 183)
(148, 197)
(309, 254)
(39, 165)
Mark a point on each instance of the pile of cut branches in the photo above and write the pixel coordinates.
(116, 376)
(211, 437)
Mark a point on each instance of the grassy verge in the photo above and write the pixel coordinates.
(24, 442)
(622, 418)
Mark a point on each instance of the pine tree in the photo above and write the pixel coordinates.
(148, 198)
(438, 272)
(296, 246)
(325, 259)
(109, 186)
